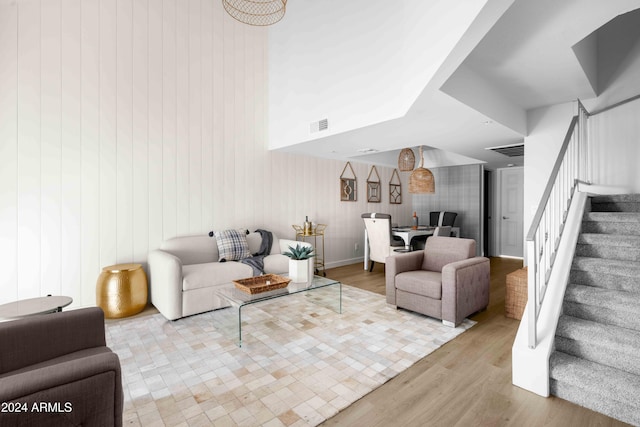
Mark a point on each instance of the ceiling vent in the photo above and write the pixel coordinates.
(319, 126)
(367, 150)
(509, 150)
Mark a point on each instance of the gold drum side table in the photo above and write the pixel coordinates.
(121, 290)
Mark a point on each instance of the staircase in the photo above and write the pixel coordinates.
(596, 362)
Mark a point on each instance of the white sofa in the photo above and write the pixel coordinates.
(184, 272)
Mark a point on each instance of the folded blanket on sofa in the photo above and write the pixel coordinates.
(257, 260)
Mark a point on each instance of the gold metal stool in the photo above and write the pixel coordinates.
(121, 290)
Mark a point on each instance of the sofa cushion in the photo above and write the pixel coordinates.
(232, 245)
(215, 273)
(421, 282)
(192, 249)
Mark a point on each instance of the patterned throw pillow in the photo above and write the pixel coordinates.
(232, 245)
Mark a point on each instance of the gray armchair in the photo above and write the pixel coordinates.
(61, 361)
(445, 280)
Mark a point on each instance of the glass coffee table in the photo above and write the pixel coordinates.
(238, 299)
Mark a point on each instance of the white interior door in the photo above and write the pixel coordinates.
(511, 219)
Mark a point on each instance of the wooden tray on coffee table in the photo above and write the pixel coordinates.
(264, 283)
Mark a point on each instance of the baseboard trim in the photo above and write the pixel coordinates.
(344, 262)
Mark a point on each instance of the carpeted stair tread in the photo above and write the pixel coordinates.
(602, 280)
(615, 389)
(632, 217)
(616, 207)
(601, 314)
(603, 227)
(605, 344)
(620, 253)
(582, 397)
(611, 298)
(607, 266)
(623, 339)
(616, 198)
(599, 354)
(609, 240)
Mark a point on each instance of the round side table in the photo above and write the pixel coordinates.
(121, 290)
(32, 306)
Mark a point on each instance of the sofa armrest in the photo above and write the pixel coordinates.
(397, 264)
(53, 335)
(88, 390)
(165, 278)
(465, 288)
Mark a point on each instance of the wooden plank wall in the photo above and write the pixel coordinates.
(123, 123)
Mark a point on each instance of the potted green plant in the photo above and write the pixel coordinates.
(299, 262)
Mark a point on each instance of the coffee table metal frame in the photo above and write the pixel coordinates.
(239, 299)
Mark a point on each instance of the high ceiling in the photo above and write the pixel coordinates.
(478, 98)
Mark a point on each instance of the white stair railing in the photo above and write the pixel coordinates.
(572, 166)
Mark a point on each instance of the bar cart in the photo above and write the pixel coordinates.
(317, 231)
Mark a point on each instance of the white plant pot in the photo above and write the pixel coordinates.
(299, 270)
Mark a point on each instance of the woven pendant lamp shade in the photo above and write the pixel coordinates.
(421, 179)
(406, 160)
(256, 12)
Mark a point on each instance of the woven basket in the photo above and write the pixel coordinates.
(515, 297)
(264, 283)
(406, 160)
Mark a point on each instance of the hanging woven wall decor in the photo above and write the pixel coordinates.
(406, 160)
(373, 186)
(348, 185)
(395, 189)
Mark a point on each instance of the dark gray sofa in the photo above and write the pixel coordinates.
(56, 370)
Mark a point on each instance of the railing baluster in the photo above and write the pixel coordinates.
(543, 238)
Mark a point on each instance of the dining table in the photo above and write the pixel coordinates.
(406, 233)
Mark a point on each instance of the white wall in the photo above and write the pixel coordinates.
(547, 128)
(356, 62)
(615, 135)
(616, 146)
(123, 123)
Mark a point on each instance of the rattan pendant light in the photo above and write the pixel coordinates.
(256, 12)
(421, 180)
(406, 160)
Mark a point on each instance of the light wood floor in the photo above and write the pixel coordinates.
(466, 382)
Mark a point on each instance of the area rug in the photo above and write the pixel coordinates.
(300, 363)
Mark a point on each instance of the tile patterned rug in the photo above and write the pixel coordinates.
(300, 363)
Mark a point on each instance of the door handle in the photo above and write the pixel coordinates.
(505, 217)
